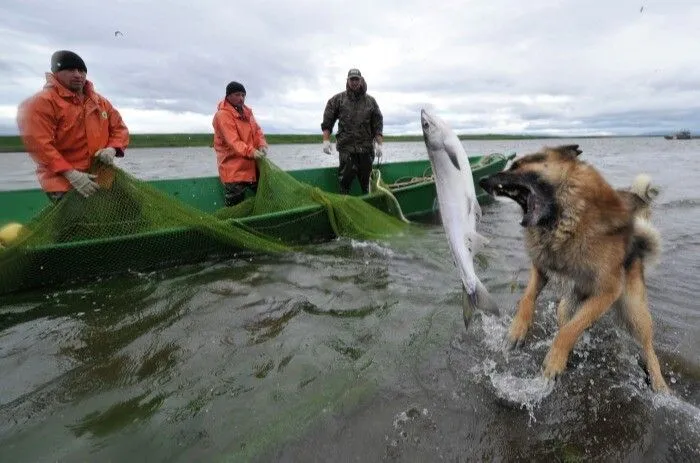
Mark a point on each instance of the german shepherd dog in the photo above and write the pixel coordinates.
(592, 239)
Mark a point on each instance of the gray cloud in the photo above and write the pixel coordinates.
(490, 66)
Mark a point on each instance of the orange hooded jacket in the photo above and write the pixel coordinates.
(236, 137)
(61, 132)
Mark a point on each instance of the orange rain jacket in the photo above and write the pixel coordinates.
(62, 133)
(236, 137)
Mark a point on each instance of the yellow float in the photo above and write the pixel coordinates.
(9, 234)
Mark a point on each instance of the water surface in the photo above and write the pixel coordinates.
(350, 350)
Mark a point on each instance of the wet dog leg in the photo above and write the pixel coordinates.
(526, 307)
(564, 309)
(634, 308)
(590, 310)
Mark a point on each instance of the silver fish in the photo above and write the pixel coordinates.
(459, 209)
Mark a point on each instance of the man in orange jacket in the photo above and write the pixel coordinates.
(66, 125)
(238, 142)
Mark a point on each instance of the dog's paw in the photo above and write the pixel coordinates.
(659, 385)
(554, 363)
(654, 378)
(517, 333)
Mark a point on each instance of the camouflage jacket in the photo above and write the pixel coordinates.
(359, 120)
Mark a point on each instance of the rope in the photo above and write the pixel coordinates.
(377, 184)
(411, 181)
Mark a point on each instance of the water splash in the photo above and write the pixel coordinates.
(525, 393)
(514, 387)
(495, 331)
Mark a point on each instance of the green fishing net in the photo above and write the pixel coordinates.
(350, 216)
(131, 224)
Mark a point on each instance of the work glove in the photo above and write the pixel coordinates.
(257, 154)
(82, 182)
(378, 149)
(106, 155)
(327, 146)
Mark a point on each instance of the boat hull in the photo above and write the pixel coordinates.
(75, 261)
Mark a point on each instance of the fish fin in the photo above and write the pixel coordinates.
(479, 300)
(476, 242)
(453, 159)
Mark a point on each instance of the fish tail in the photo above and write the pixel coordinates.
(479, 299)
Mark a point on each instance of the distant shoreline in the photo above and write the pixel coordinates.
(13, 143)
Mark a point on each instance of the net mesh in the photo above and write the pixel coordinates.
(130, 224)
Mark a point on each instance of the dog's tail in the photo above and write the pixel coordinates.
(641, 186)
(646, 243)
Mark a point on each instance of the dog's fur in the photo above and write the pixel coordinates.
(639, 196)
(593, 239)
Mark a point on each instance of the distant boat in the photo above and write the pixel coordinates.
(682, 135)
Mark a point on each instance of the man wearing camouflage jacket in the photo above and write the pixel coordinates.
(359, 138)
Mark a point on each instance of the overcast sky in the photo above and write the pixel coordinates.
(569, 67)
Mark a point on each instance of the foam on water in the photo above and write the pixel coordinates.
(678, 405)
(371, 248)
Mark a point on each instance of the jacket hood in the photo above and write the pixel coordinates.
(223, 105)
(226, 106)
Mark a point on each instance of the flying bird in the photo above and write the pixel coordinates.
(641, 9)
(118, 33)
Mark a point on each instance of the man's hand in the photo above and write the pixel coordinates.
(263, 149)
(82, 182)
(257, 154)
(377, 149)
(327, 146)
(106, 155)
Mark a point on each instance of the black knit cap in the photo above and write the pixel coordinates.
(234, 87)
(64, 59)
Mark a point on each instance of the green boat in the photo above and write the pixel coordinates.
(60, 263)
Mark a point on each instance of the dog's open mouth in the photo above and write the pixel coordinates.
(518, 193)
(536, 199)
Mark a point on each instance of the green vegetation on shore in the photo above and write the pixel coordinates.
(13, 143)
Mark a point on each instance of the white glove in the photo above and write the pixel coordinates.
(327, 146)
(257, 154)
(81, 181)
(378, 149)
(263, 149)
(106, 155)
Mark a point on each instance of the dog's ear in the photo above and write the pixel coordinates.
(569, 150)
